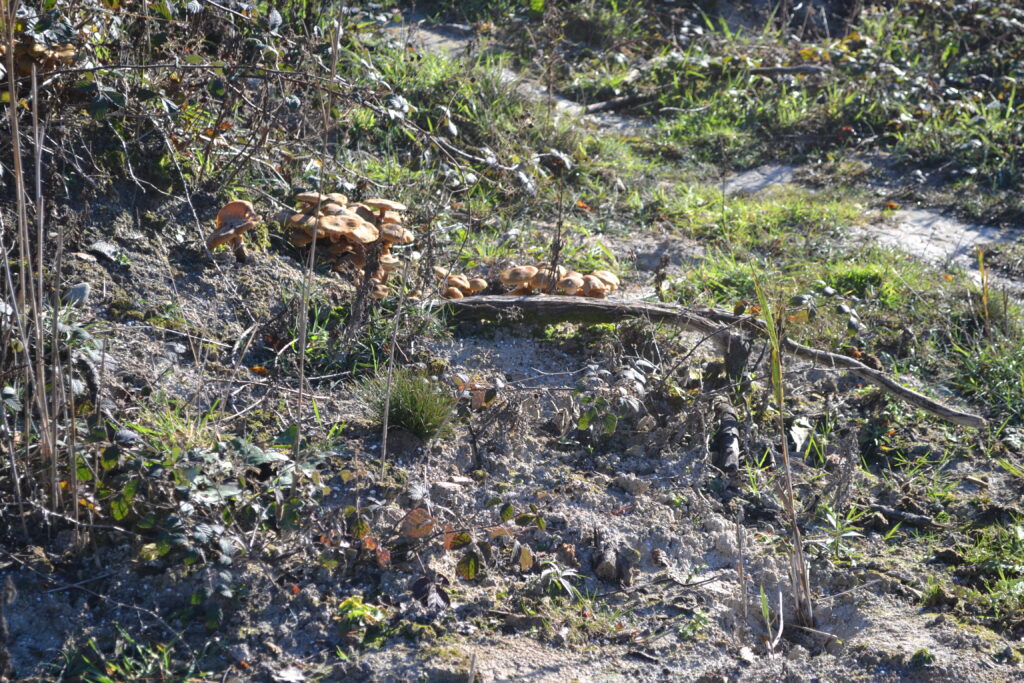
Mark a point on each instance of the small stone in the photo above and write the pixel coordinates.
(607, 565)
(105, 250)
(631, 484)
(797, 652)
(126, 438)
(78, 295)
(175, 348)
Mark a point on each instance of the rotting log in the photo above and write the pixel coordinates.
(719, 327)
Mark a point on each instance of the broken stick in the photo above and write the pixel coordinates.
(718, 326)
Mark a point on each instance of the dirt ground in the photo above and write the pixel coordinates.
(694, 554)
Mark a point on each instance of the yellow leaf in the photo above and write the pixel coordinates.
(149, 552)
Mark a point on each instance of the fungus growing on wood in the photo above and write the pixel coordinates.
(594, 287)
(546, 277)
(451, 293)
(232, 221)
(519, 278)
(477, 285)
(611, 280)
(460, 282)
(570, 285)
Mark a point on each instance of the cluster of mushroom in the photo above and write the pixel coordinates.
(29, 53)
(457, 286)
(542, 278)
(344, 231)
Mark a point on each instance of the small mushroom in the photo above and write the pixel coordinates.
(383, 207)
(303, 222)
(361, 232)
(461, 282)
(299, 238)
(518, 277)
(353, 258)
(594, 287)
(333, 228)
(451, 293)
(384, 204)
(363, 211)
(332, 209)
(477, 285)
(337, 199)
(570, 284)
(232, 221)
(545, 279)
(391, 233)
(610, 279)
(389, 262)
(311, 198)
(379, 290)
(441, 273)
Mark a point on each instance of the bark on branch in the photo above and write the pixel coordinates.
(718, 326)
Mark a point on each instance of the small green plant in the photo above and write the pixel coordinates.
(362, 622)
(839, 531)
(558, 580)
(416, 403)
(757, 480)
(171, 428)
(130, 660)
(695, 625)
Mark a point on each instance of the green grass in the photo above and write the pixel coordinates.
(994, 571)
(129, 659)
(993, 372)
(417, 404)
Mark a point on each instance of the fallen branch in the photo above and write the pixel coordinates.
(789, 70)
(719, 326)
(619, 103)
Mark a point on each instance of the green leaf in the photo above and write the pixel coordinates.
(217, 87)
(611, 421)
(507, 512)
(111, 456)
(361, 527)
(526, 519)
(469, 566)
(585, 420)
(459, 540)
(83, 471)
(118, 509)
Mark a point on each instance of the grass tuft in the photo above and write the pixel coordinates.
(417, 404)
